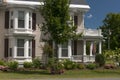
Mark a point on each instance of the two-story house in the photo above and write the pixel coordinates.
(20, 35)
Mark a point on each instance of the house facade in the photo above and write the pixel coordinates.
(21, 38)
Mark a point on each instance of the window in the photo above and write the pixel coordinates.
(30, 48)
(21, 19)
(11, 19)
(30, 20)
(65, 50)
(20, 47)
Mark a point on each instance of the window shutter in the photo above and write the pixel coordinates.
(75, 20)
(33, 48)
(34, 21)
(6, 46)
(6, 19)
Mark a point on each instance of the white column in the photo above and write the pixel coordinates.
(100, 46)
(69, 49)
(26, 48)
(91, 48)
(14, 42)
(84, 51)
(26, 20)
(59, 51)
(84, 47)
(15, 22)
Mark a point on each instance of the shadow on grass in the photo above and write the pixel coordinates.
(107, 71)
(41, 72)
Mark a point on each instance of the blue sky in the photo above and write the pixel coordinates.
(99, 10)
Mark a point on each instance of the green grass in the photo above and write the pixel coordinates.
(68, 74)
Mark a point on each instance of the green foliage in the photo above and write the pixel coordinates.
(81, 66)
(112, 55)
(91, 66)
(111, 30)
(37, 63)
(47, 49)
(69, 64)
(99, 58)
(2, 62)
(13, 65)
(56, 16)
(27, 64)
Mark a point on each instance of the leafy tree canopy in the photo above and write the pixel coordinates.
(56, 16)
(111, 30)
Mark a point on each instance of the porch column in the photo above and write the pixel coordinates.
(100, 46)
(69, 49)
(14, 43)
(59, 51)
(84, 48)
(26, 48)
(84, 51)
(91, 48)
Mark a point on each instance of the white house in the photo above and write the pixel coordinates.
(20, 36)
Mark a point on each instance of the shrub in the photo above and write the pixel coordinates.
(36, 63)
(13, 65)
(91, 66)
(81, 66)
(27, 64)
(99, 59)
(109, 66)
(2, 63)
(70, 65)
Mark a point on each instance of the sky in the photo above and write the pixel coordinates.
(98, 11)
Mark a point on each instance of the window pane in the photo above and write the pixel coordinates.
(64, 52)
(21, 15)
(20, 51)
(20, 43)
(65, 45)
(30, 48)
(21, 19)
(20, 23)
(11, 23)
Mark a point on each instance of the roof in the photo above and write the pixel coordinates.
(78, 2)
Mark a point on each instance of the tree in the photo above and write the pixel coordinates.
(56, 16)
(111, 31)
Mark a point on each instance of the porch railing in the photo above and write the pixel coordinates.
(81, 58)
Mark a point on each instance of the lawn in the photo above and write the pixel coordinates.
(68, 74)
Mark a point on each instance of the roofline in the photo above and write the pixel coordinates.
(79, 6)
(41, 3)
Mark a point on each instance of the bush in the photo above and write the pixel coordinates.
(81, 66)
(13, 65)
(99, 59)
(91, 66)
(27, 64)
(70, 65)
(109, 66)
(2, 63)
(36, 63)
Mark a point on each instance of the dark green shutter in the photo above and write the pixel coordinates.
(6, 19)
(33, 48)
(34, 21)
(6, 46)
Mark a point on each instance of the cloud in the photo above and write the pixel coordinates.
(89, 16)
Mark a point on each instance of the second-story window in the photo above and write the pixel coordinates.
(11, 19)
(21, 19)
(30, 20)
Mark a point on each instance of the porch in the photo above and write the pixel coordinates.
(83, 49)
